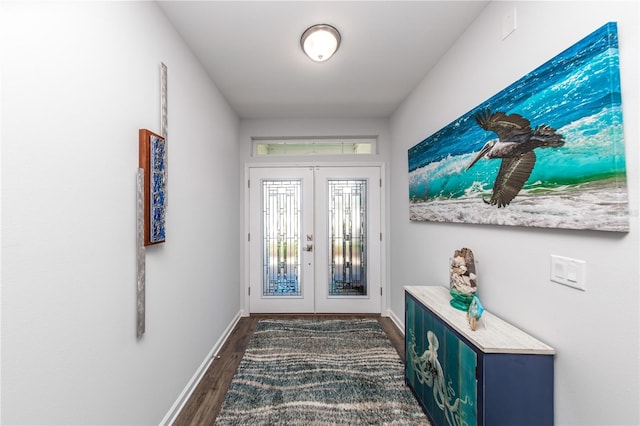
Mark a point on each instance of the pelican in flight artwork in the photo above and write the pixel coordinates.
(515, 144)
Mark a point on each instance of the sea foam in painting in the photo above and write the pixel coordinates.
(580, 185)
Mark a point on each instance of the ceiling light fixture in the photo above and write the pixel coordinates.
(320, 42)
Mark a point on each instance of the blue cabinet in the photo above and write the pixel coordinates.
(496, 375)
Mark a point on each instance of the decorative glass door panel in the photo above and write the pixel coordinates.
(347, 218)
(303, 217)
(281, 211)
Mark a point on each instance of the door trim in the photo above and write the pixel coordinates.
(244, 278)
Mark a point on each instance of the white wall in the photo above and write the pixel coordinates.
(78, 81)
(595, 333)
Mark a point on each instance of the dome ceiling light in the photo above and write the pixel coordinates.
(320, 42)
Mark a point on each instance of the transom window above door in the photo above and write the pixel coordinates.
(314, 146)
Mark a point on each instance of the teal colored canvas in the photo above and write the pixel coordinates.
(547, 151)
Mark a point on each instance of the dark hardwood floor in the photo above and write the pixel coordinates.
(206, 401)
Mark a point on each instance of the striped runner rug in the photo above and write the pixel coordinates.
(320, 372)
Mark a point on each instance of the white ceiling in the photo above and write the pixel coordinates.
(251, 50)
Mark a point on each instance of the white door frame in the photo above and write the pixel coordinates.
(245, 284)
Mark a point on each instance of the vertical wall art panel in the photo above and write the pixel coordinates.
(153, 159)
(140, 255)
(164, 117)
(163, 101)
(547, 151)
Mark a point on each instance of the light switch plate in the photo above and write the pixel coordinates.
(568, 271)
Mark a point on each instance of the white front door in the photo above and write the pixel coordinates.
(314, 243)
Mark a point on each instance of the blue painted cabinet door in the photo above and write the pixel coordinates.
(440, 368)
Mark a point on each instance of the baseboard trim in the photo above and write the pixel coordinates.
(177, 406)
(397, 321)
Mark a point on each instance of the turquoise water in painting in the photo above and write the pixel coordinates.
(577, 93)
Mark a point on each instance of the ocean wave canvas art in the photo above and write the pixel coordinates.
(547, 151)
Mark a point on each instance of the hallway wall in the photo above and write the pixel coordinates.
(595, 333)
(78, 81)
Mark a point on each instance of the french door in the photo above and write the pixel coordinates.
(314, 242)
